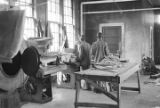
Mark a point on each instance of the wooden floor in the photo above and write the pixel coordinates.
(64, 98)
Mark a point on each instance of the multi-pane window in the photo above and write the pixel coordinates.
(68, 21)
(56, 19)
(54, 28)
(29, 28)
(54, 23)
(3, 2)
(53, 10)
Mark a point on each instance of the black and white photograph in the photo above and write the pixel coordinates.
(79, 53)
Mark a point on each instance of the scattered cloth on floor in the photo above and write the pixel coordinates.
(148, 67)
(155, 82)
(155, 76)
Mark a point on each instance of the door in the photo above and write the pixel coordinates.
(112, 35)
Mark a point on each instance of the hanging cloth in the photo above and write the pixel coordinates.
(11, 33)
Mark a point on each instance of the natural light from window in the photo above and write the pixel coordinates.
(29, 28)
(68, 22)
(54, 22)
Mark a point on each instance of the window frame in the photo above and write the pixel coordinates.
(70, 24)
(56, 22)
(61, 23)
(25, 4)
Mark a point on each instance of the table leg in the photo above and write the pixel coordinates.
(118, 94)
(138, 79)
(77, 86)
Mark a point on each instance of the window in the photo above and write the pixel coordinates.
(53, 10)
(3, 2)
(54, 23)
(69, 21)
(56, 17)
(55, 34)
(29, 28)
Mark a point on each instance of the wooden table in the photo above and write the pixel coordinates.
(53, 69)
(116, 76)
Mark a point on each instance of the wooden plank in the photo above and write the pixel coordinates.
(77, 92)
(118, 94)
(130, 88)
(133, 67)
(97, 72)
(138, 81)
(113, 79)
(53, 69)
(126, 74)
(101, 89)
(85, 104)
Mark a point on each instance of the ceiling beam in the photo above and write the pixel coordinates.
(106, 1)
(121, 11)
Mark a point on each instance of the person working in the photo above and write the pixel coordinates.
(80, 58)
(99, 49)
(82, 51)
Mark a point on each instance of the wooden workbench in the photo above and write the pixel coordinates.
(115, 75)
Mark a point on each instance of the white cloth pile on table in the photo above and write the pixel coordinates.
(109, 62)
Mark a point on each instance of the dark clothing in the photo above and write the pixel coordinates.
(82, 52)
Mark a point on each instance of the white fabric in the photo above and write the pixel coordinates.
(11, 33)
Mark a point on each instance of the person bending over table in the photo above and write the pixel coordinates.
(99, 51)
(82, 51)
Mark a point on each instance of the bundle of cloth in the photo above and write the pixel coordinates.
(109, 62)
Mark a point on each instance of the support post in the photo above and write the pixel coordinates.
(138, 80)
(77, 86)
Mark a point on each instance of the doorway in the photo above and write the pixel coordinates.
(113, 35)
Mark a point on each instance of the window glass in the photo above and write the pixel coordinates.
(54, 22)
(67, 3)
(29, 28)
(68, 21)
